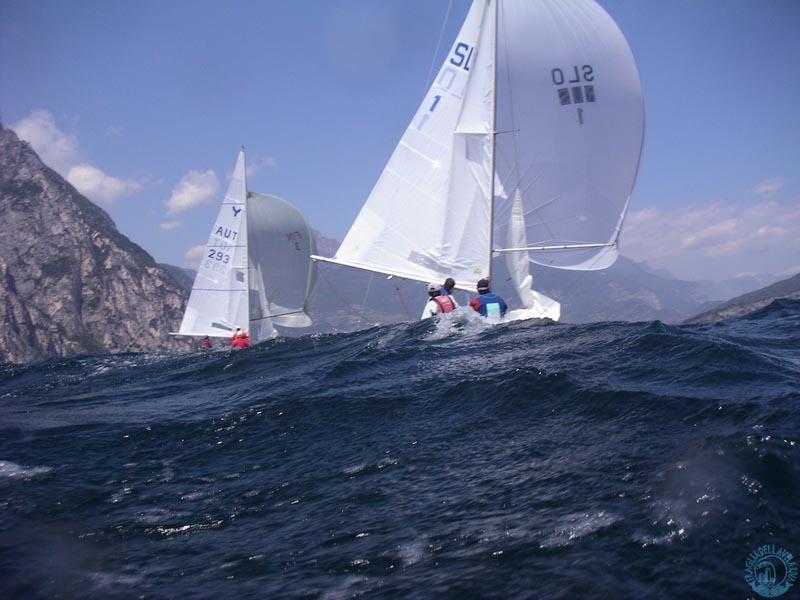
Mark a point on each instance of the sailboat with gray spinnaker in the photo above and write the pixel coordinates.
(256, 273)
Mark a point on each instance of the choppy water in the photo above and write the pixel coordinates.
(418, 460)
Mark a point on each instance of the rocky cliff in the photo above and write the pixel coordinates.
(70, 283)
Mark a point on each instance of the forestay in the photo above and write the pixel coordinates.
(219, 299)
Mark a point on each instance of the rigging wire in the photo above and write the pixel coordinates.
(438, 45)
(364, 301)
(337, 293)
(403, 302)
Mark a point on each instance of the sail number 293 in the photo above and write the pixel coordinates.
(219, 256)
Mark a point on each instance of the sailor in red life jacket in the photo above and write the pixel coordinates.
(240, 339)
(206, 343)
(437, 303)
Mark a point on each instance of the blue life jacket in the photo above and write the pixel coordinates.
(491, 305)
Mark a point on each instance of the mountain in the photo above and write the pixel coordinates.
(71, 282)
(183, 277)
(346, 299)
(626, 291)
(752, 301)
(736, 286)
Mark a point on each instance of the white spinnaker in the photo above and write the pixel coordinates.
(570, 122)
(282, 275)
(427, 217)
(218, 303)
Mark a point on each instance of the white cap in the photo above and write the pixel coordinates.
(433, 287)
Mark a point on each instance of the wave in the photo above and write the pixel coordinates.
(438, 458)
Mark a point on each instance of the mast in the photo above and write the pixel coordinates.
(246, 324)
(494, 140)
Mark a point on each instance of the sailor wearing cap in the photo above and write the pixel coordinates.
(487, 303)
(437, 303)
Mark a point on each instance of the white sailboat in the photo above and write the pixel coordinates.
(526, 147)
(256, 271)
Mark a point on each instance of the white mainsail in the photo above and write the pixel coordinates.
(256, 271)
(219, 302)
(527, 144)
(428, 215)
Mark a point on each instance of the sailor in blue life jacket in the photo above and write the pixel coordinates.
(487, 303)
(437, 303)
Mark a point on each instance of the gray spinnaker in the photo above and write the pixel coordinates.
(282, 276)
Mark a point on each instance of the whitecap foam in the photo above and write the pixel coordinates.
(355, 469)
(190, 528)
(461, 322)
(577, 526)
(152, 516)
(113, 580)
(411, 554)
(12, 470)
(351, 586)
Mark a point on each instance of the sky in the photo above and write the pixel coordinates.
(144, 105)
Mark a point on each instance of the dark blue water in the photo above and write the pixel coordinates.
(527, 460)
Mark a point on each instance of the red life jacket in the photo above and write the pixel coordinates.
(445, 304)
(240, 342)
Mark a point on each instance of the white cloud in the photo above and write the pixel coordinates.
(193, 190)
(769, 187)
(115, 130)
(103, 189)
(170, 225)
(194, 255)
(716, 239)
(258, 163)
(57, 149)
(61, 152)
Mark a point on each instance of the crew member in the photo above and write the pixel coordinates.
(487, 303)
(437, 303)
(206, 343)
(448, 287)
(240, 339)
